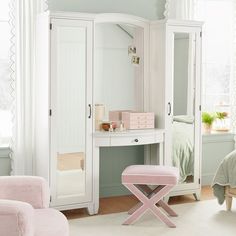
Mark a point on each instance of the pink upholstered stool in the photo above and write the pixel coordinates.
(137, 178)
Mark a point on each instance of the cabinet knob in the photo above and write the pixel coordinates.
(136, 140)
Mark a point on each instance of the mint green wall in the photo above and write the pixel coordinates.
(113, 161)
(5, 163)
(150, 9)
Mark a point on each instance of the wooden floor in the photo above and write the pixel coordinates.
(124, 203)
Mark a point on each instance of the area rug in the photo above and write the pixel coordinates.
(201, 218)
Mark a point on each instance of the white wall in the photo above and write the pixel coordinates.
(150, 9)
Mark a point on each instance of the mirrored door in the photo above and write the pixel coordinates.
(118, 67)
(71, 123)
(183, 114)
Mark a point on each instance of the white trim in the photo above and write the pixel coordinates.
(188, 23)
(121, 18)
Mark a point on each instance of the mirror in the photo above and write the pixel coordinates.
(118, 77)
(71, 111)
(183, 106)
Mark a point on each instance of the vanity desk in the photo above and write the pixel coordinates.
(124, 138)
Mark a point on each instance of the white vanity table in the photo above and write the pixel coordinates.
(126, 138)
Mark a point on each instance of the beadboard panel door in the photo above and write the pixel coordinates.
(71, 102)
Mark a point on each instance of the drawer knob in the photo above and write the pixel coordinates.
(136, 140)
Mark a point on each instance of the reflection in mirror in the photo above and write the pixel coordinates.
(183, 106)
(71, 110)
(118, 66)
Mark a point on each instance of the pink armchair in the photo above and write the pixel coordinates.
(24, 208)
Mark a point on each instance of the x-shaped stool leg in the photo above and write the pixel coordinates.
(149, 202)
(151, 192)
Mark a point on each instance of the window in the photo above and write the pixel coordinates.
(5, 82)
(217, 52)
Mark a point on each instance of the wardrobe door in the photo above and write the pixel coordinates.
(71, 101)
(184, 104)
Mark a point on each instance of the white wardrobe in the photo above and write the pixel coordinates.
(64, 109)
(66, 91)
(175, 97)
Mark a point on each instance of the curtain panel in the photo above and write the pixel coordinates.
(180, 9)
(23, 21)
(233, 77)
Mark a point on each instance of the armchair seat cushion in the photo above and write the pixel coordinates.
(50, 222)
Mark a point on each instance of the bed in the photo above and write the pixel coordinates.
(183, 147)
(224, 182)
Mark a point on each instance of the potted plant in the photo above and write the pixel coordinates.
(207, 120)
(220, 124)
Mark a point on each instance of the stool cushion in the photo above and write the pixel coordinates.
(150, 174)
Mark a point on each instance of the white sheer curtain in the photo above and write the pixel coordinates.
(180, 9)
(23, 20)
(233, 80)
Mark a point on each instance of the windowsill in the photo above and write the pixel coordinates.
(219, 133)
(218, 137)
(3, 146)
(4, 151)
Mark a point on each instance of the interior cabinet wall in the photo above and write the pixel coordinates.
(114, 73)
(158, 74)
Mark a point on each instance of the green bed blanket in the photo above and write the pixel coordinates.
(183, 149)
(225, 176)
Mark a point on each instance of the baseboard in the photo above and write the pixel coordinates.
(207, 179)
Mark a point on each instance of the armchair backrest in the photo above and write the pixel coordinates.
(31, 189)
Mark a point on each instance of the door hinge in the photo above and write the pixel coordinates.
(50, 26)
(201, 34)
(50, 198)
(199, 181)
(200, 107)
(50, 112)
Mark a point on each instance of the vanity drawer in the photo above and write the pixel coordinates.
(102, 142)
(133, 140)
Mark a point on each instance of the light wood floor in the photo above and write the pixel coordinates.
(124, 203)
